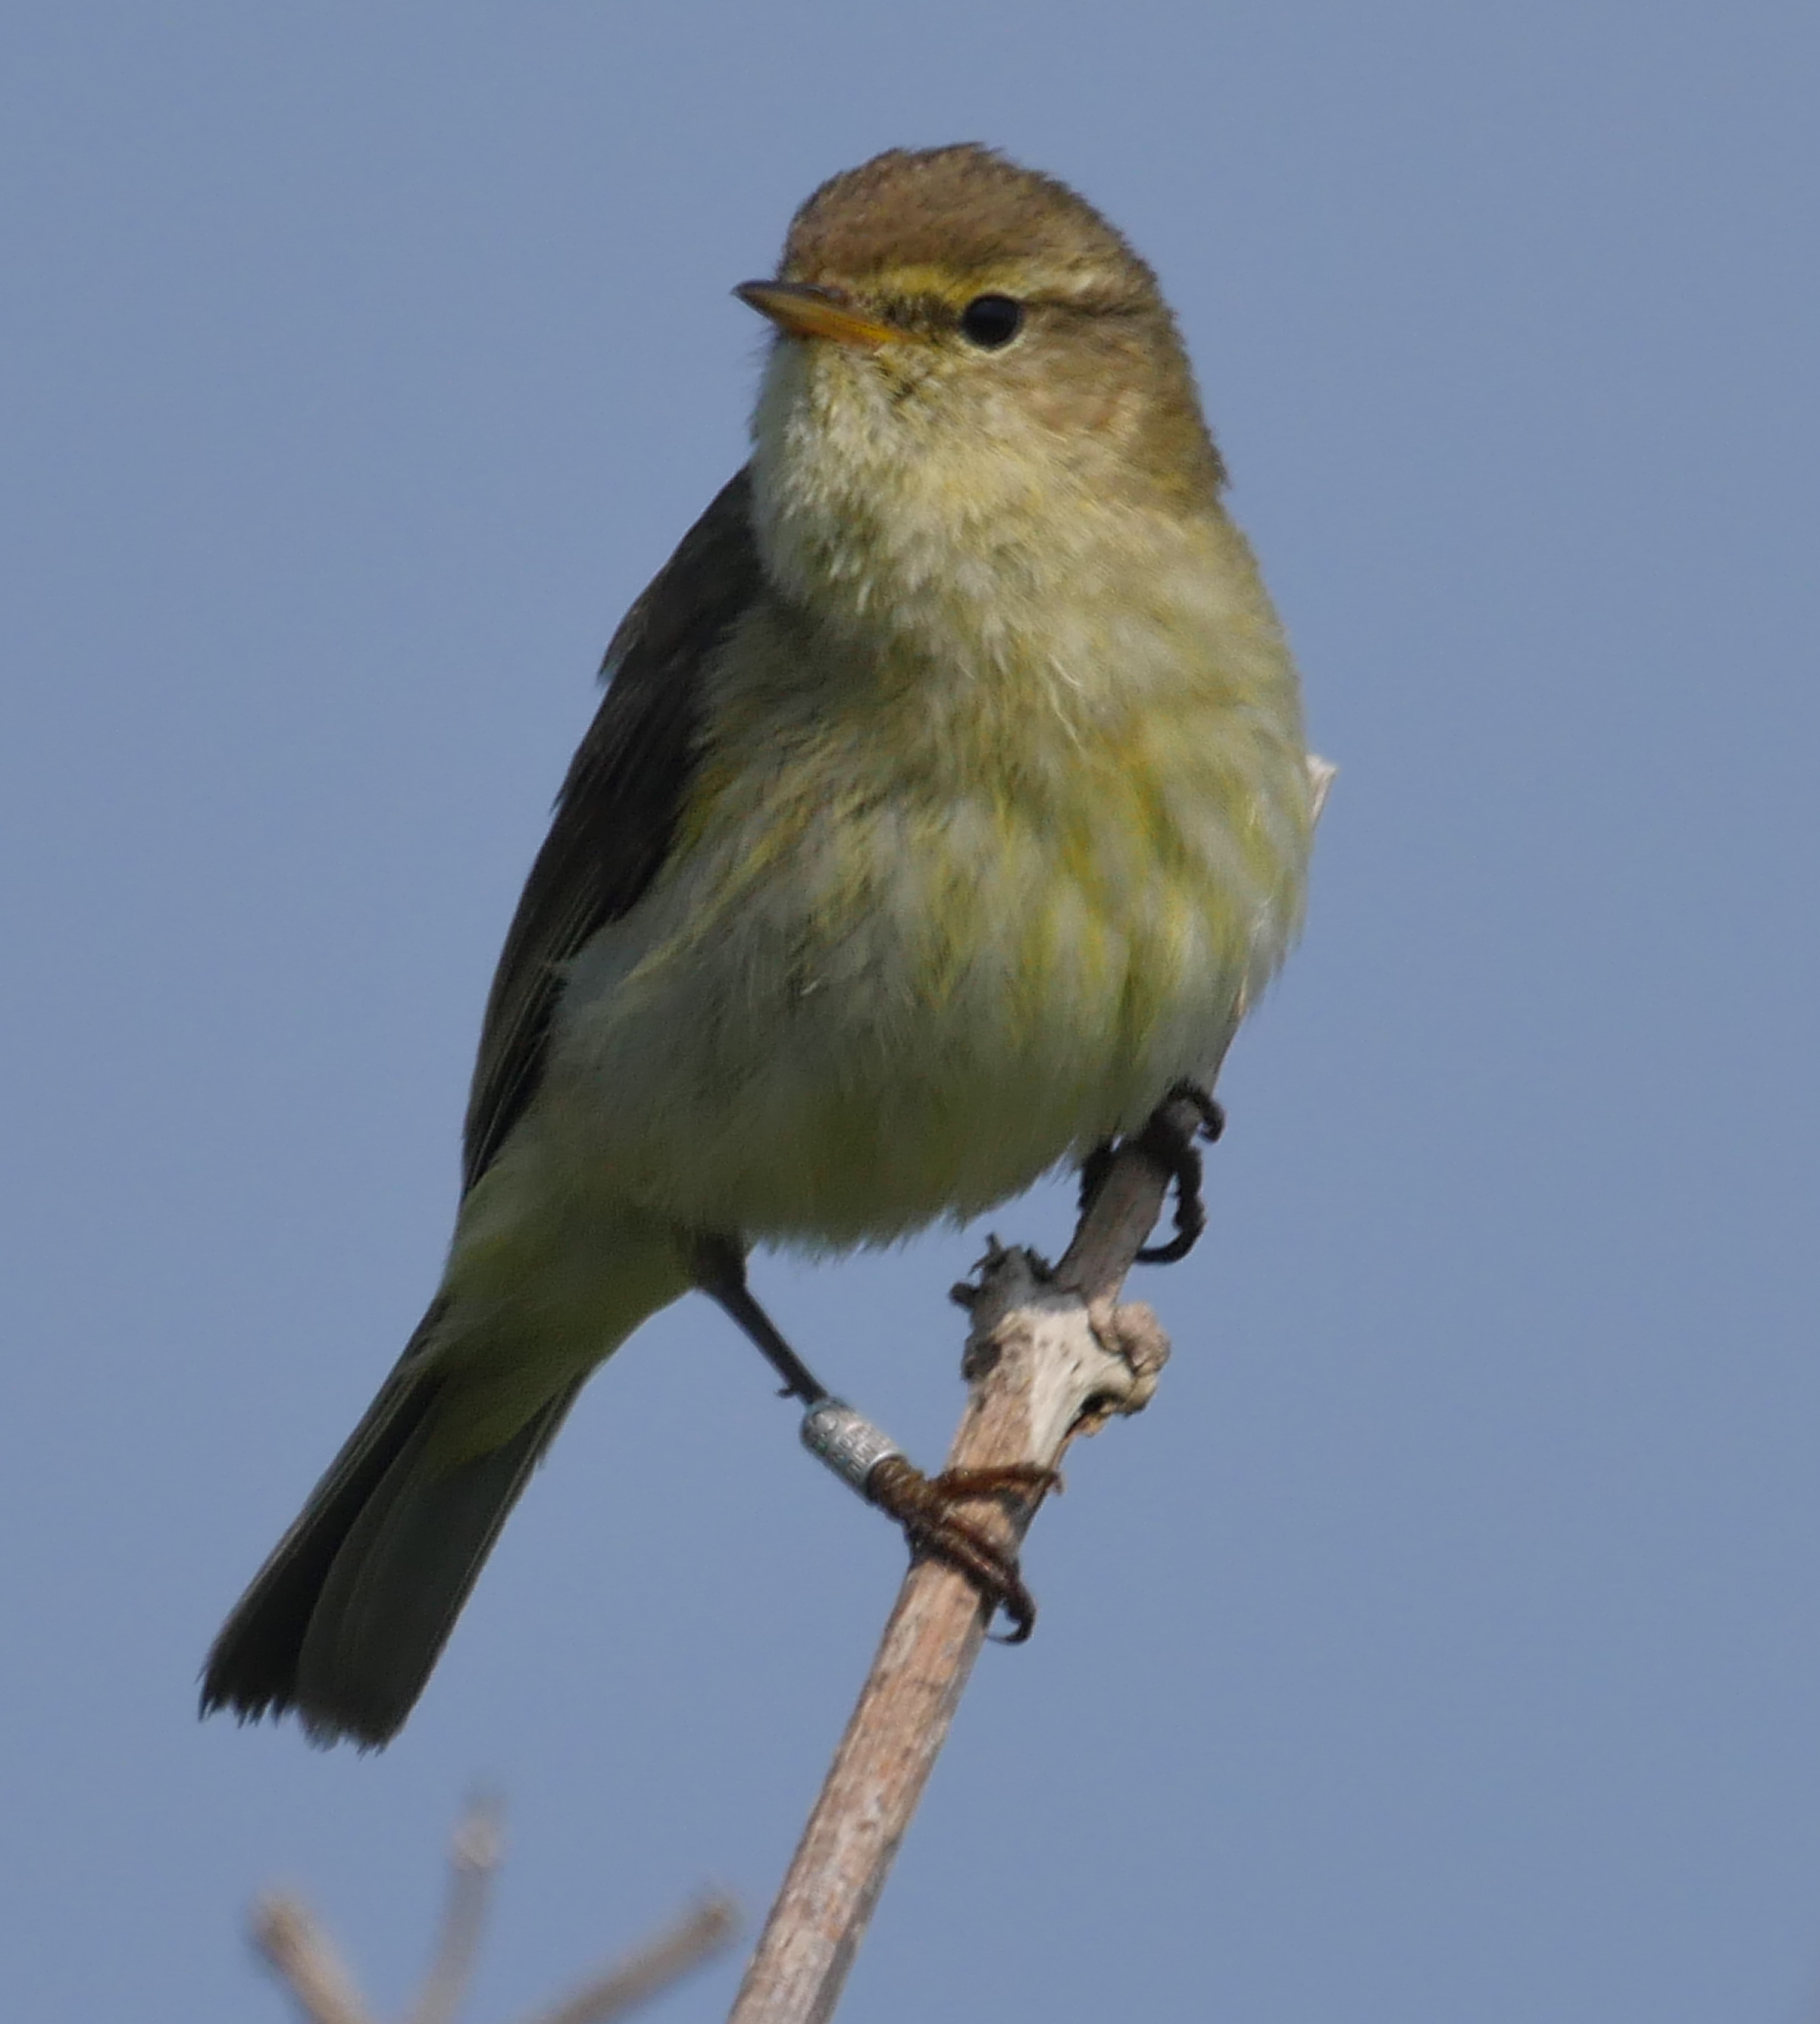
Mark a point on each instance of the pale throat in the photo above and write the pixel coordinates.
(969, 556)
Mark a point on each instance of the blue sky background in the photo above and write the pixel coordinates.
(1445, 1644)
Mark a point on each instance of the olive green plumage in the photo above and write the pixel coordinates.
(949, 802)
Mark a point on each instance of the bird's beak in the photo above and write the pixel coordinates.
(799, 310)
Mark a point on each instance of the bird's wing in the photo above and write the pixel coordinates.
(616, 812)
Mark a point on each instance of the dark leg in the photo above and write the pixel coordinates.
(1174, 1149)
(721, 1266)
(923, 1505)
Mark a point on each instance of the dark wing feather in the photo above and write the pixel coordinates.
(616, 812)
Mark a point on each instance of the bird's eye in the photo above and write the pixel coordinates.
(991, 321)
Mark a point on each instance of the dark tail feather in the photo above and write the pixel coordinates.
(346, 1620)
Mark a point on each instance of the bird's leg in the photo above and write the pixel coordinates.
(720, 1273)
(868, 1461)
(1173, 1148)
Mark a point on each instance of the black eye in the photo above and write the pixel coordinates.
(991, 320)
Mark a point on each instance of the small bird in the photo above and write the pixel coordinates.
(947, 807)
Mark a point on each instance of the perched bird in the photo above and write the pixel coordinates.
(947, 807)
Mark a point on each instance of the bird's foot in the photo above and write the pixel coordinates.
(924, 1506)
(867, 1460)
(1172, 1146)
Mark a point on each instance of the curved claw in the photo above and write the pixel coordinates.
(1182, 1163)
(924, 1506)
(1212, 1112)
(1175, 1152)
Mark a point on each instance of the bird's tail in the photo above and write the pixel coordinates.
(345, 1621)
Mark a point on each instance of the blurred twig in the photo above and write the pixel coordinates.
(302, 1955)
(288, 1938)
(651, 1970)
(475, 1854)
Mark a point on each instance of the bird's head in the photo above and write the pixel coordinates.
(970, 366)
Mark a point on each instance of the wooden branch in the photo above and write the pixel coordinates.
(1048, 1356)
